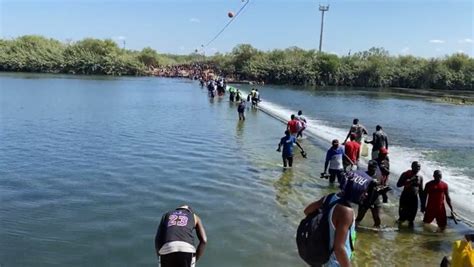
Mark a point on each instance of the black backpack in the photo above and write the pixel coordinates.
(312, 236)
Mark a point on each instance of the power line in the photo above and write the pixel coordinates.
(226, 25)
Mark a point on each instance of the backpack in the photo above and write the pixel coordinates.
(312, 236)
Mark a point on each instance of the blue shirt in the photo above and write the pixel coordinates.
(334, 157)
(287, 142)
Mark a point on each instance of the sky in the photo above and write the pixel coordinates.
(426, 28)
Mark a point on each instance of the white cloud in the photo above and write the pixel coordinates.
(182, 48)
(437, 41)
(194, 20)
(461, 51)
(439, 49)
(466, 41)
(120, 38)
(405, 50)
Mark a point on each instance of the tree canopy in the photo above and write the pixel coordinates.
(372, 68)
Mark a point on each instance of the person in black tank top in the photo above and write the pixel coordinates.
(174, 240)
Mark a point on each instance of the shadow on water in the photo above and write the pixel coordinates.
(239, 131)
(283, 186)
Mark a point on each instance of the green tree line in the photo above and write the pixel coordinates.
(372, 68)
(32, 53)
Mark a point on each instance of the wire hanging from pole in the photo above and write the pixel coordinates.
(227, 24)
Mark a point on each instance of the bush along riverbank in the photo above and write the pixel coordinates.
(295, 66)
(89, 56)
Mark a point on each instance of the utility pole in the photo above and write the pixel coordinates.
(322, 8)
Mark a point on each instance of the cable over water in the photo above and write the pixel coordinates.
(227, 24)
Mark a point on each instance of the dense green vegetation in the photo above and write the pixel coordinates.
(33, 53)
(372, 68)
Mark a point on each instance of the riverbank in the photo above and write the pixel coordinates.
(374, 68)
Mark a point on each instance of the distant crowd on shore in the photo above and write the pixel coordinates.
(196, 71)
(191, 71)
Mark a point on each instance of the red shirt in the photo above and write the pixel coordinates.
(352, 149)
(293, 126)
(435, 192)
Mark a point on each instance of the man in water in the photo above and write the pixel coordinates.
(210, 88)
(334, 162)
(358, 130)
(238, 95)
(435, 192)
(384, 166)
(231, 94)
(302, 123)
(351, 153)
(255, 97)
(379, 140)
(174, 240)
(241, 110)
(412, 184)
(287, 142)
(293, 125)
(341, 227)
(373, 201)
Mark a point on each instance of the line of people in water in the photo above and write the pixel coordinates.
(326, 236)
(431, 198)
(218, 87)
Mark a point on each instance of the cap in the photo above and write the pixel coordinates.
(372, 163)
(415, 163)
(356, 185)
(186, 207)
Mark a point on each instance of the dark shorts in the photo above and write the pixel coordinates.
(176, 259)
(439, 215)
(288, 158)
(339, 174)
(408, 206)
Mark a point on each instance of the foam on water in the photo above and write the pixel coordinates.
(460, 186)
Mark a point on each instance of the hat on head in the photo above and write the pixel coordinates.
(186, 207)
(356, 185)
(372, 163)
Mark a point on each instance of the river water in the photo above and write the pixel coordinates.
(89, 164)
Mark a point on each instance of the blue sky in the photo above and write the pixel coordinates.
(419, 27)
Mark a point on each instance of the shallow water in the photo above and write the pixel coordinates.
(89, 164)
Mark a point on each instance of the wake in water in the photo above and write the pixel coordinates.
(400, 159)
